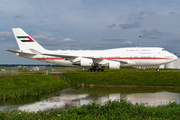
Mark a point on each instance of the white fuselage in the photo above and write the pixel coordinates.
(133, 56)
(97, 59)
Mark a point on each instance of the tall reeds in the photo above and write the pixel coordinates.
(111, 110)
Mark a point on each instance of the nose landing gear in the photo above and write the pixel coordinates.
(158, 69)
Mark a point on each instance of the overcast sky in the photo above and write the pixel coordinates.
(89, 24)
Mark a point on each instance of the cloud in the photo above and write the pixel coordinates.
(177, 41)
(111, 26)
(152, 34)
(10, 45)
(92, 24)
(44, 39)
(173, 46)
(111, 39)
(130, 25)
(18, 16)
(142, 13)
(171, 13)
(5, 35)
(40, 37)
(127, 43)
(67, 40)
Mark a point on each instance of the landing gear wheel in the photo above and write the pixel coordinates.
(90, 70)
(101, 70)
(95, 69)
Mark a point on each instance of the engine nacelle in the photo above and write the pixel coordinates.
(114, 65)
(86, 62)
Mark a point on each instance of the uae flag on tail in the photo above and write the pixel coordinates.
(25, 38)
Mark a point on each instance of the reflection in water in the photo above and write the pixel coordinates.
(150, 99)
(66, 100)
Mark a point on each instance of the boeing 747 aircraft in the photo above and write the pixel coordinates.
(96, 59)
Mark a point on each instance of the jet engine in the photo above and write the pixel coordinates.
(84, 62)
(112, 65)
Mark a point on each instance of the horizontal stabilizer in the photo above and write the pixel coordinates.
(13, 51)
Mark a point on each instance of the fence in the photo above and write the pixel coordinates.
(9, 70)
(37, 69)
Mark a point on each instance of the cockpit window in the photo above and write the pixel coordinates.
(164, 50)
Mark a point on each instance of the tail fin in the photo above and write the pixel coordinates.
(25, 42)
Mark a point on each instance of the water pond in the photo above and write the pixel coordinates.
(76, 96)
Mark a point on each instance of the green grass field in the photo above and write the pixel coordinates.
(126, 77)
(14, 86)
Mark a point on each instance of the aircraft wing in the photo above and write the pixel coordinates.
(63, 56)
(67, 57)
(100, 59)
(70, 57)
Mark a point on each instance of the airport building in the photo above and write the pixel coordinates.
(173, 65)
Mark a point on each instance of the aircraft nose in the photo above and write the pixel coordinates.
(175, 57)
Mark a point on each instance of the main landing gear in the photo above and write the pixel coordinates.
(95, 69)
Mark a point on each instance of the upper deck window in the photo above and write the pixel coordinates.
(146, 50)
